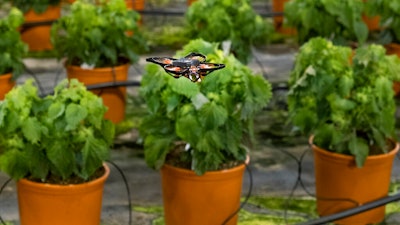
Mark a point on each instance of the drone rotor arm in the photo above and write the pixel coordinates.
(196, 56)
(162, 61)
(206, 68)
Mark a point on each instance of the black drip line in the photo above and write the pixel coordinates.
(246, 198)
(29, 25)
(358, 208)
(1, 190)
(322, 220)
(128, 193)
(101, 86)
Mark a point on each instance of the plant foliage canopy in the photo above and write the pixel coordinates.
(339, 20)
(213, 116)
(12, 48)
(57, 137)
(98, 35)
(346, 101)
(228, 20)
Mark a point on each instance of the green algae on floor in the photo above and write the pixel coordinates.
(267, 210)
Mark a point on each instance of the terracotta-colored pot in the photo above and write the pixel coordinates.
(338, 180)
(6, 84)
(190, 199)
(50, 204)
(278, 6)
(372, 22)
(113, 97)
(135, 4)
(38, 37)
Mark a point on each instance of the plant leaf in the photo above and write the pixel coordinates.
(212, 115)
(74, 114)
(32, 129)
(359, 148)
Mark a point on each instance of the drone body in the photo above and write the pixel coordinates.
(192, 66)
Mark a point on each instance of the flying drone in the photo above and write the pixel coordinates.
(192, 66)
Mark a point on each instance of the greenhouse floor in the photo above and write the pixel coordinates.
(276, 196)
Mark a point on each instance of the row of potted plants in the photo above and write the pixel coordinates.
(95, 54)
(95, 49)
(197, 133)
(344, 22)
(213, 116)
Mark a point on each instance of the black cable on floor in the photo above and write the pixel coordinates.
(353, 211)
(1, 190)
(127, 190)
(30, 72)
(259, 63)
(104, 85)
(247, 196)
(299, 181)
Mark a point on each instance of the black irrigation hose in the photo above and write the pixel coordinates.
(1, 190)
(353, 211)
(29, 25)
(182, 13)
(299, 181)
(340, 215)
(127, 190)
(105, 85)
(34, 77)
(247, 196)
(264, 73)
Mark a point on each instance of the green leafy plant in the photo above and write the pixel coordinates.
(61, 138)
(214, 116)
(347, 104)
(167, 35)
(12, 48)
(229, 20)
(339, 20)
(39, 6)
(389, 13)
(101, 35)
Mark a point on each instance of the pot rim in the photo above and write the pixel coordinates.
(208, 175)
(5, 76)
(370, 158)
(60, 187)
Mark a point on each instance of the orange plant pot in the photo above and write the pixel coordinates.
(372, 22)
(278, 6)
(6, 84)
(49, 204)
(135, 4)
(113, 97)
(190, 199)
(339, 182)
(38, 37)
